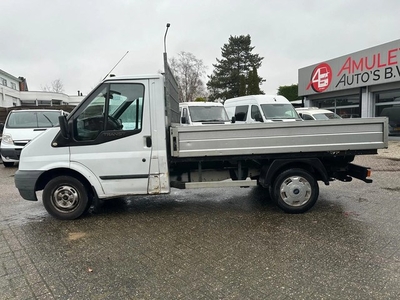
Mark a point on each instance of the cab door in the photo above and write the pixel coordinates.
(112, 137)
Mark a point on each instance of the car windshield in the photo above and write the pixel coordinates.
(33, 119)
(208, 114)
(326, 116)
(279, 111)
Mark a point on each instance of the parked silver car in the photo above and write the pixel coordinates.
(314, 113)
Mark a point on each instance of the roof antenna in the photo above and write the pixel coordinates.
(116, 64)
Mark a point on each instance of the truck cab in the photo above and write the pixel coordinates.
(261, 108)
(202, 113)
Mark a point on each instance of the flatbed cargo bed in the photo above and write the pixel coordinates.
(279, 138)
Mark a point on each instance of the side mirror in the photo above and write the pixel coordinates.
(62, 120)
(233, 120)
(183, 120)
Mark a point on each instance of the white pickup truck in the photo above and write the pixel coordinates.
(93, 155)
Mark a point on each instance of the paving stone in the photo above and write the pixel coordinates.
(210, 244)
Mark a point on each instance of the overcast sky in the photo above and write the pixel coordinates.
(80, 41)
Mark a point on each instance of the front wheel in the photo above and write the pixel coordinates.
(65, 198)
(295, 190)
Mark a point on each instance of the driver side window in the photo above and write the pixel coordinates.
(116, 106)
(241, 113)
(256, 114)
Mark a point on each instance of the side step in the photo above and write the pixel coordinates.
(212, 184)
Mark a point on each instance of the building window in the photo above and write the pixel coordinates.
(28, 102)
(3, 81)
(13, 86)
(346, 107)
(387, 104)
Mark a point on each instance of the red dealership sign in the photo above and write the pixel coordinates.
(376, 65)
(321, 78)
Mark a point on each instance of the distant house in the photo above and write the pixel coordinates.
(14, 92)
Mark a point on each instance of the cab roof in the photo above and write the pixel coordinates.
(261, 99)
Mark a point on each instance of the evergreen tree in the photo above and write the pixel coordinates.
(242, 86)
(289, 91)
(237, 60)
(254, 83)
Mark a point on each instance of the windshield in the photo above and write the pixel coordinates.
(33, 119)
(326, 116)
(279, 111)
(208, 114)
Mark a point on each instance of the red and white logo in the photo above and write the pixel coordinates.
(321, 78)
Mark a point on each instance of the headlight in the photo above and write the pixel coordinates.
(7, 139)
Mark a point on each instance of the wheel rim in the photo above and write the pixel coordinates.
(295, 191)
(65, 198)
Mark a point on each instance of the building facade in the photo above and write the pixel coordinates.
(361, 84)
(14, 92)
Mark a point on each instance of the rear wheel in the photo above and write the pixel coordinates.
(65, 198)
(295, 190)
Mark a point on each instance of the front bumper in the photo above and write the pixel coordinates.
(11, 154)
(25, 182)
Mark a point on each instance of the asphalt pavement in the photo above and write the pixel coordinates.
(210, 244)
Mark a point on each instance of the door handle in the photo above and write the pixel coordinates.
(148, 141)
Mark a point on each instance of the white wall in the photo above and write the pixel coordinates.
(10, 97)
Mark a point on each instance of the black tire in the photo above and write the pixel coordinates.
(8, 164)
(295, 191)
(65, 198)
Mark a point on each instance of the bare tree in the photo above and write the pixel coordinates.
(189, 72)
(56, 86)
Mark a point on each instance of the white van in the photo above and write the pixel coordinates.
(20, 127)
(202, 113)
(261, 108)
